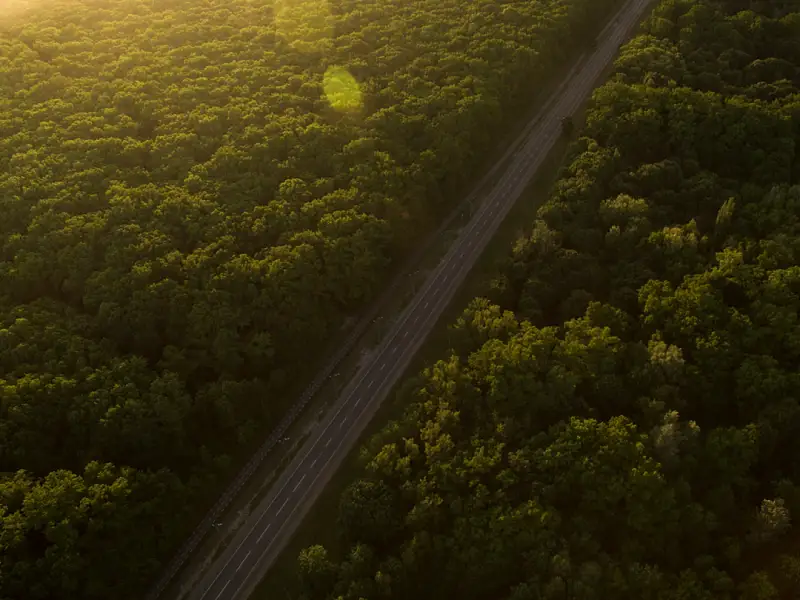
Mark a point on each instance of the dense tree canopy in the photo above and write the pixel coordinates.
(621, 418)
(195, 195)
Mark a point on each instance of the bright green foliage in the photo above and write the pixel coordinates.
(195, 195)
(621, 418)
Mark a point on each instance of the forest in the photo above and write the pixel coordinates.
(196, 196)
(619, 416)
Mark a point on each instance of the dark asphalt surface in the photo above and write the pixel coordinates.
(234, 574)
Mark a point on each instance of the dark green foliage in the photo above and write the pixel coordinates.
(621, 419)
(195, 196)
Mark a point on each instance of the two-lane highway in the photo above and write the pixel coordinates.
(233, 575)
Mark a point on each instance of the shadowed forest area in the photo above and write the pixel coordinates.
(619, 417)
(195, 196)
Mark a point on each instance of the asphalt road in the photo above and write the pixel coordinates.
(238, 569)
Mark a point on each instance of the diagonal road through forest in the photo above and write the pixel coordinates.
(238, 569)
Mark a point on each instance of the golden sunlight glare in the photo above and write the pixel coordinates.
(305, 24)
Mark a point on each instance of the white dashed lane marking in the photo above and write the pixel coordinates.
(280, 510)
(223, 589)
(241, 563)
(263, 533)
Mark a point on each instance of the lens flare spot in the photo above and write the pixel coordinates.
(342, 90)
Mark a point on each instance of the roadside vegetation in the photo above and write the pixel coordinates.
(619, 417)
(195, 196)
